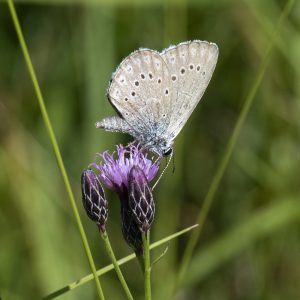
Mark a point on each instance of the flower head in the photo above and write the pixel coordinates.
(93, 198)
(141, 200)
(114, 172)
(128, 172)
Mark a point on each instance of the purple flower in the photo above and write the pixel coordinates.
(128, 172)
(114, 172)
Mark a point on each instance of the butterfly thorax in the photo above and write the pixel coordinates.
(160, 146)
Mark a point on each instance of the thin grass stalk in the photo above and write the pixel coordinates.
(208, 200)
(110, 267)
(54, 143)
(266, 222)
(114, 261)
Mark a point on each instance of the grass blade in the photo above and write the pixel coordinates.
(261, 224)
(54, 143)
(229, 149)
(110, 267)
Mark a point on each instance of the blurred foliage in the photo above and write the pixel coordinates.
(250, 247)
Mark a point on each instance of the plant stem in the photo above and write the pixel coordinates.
(75, 284)
(54, 143)
(114, 261)
(147, 266)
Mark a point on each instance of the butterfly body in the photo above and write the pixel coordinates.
(155, 93)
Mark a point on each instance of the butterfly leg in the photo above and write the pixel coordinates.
(163, 171)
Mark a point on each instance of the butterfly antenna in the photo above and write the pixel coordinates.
(163, 171)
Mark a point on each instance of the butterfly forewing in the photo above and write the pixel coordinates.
(140, 91)
(190, 65)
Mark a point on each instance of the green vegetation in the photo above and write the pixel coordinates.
(248, 246)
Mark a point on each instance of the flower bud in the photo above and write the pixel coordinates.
(140, 197)
(93, 198)
(130, 230)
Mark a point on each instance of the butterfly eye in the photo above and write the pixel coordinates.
(167, 152)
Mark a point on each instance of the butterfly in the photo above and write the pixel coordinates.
(155, 93)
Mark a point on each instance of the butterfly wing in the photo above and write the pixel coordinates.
(191, 65)
(140, 91)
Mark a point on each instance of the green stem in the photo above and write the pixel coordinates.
(229, 149)
(54, 143)
(147, 266)
(75, 284)
(114, 261)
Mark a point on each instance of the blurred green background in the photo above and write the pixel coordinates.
(250, 245)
